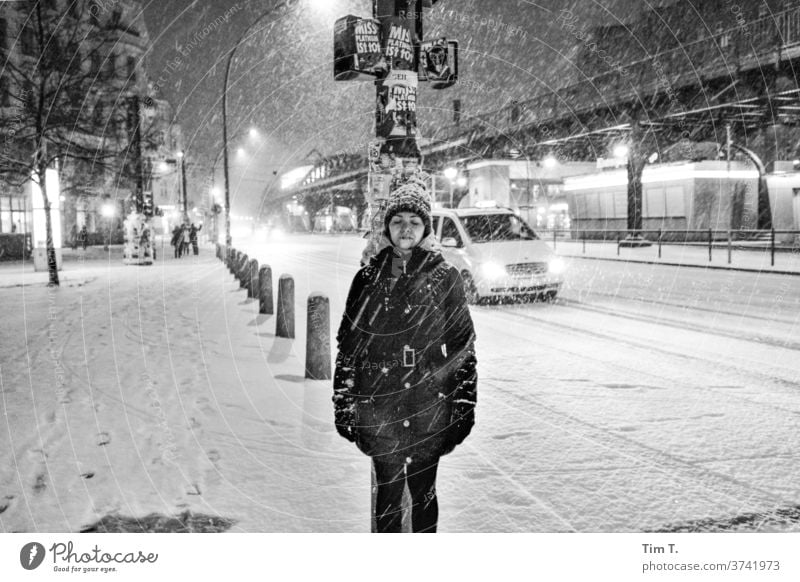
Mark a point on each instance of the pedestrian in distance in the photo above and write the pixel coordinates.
(83, 237)
(175, 241)
(193, 237)
(185, 236)
(405, 382)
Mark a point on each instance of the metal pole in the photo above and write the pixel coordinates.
(710, 235)
(772, 246)
(659, 242)
(286, 4)
(183, 186)
(729, 247)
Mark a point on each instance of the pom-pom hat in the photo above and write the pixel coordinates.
(413, 197)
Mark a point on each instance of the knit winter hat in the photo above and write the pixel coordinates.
(413, 197)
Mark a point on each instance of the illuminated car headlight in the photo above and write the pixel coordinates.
(556, 266)
(493, 270)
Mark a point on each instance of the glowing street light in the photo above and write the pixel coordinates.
(550, 162)
(451, 173)
(621, 151)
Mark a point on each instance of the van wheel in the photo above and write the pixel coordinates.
(550, 295)
(470, 290)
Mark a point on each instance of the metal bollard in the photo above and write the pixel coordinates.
(265, 290)
(284, 325)
(252, 279)
(318, 338)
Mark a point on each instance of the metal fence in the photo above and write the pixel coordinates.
(727, 240)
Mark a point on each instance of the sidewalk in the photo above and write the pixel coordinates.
(755, 259)
(155, 391)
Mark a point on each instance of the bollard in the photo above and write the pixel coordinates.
(265, 290)
(318, 338)
(237, 260)
(232, 255)
(241, 274)
(252, 279)
(284, 322)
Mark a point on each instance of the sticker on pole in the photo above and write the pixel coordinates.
(438, 63)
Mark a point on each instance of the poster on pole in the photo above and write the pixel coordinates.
(397, 105)
(357, 53)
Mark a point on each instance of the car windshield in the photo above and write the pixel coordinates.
(496, 227)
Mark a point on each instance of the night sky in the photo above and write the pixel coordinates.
(282, 80)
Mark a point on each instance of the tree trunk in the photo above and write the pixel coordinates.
(635, 166)
(52, 263)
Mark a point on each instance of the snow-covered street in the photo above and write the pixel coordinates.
(647, 397)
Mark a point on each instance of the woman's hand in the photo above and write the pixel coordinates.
(345, 416)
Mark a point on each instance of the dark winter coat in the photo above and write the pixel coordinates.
(405, 381)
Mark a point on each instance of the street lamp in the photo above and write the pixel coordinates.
(284, 4)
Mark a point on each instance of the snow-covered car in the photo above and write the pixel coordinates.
(497, 253)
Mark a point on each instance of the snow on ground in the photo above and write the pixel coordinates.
(646, 398)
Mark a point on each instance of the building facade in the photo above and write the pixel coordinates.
(100, 59)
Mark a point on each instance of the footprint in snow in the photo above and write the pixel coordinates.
(6, 503)
(103, 439)
(40, 484)
(501, 437)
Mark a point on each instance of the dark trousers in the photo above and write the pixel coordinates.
(421, 479)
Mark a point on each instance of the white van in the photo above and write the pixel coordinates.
(497, 253)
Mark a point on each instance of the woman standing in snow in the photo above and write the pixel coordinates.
(405, 381)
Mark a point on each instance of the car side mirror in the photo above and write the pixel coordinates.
(449, 242)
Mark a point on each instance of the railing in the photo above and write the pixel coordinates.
(730, 240)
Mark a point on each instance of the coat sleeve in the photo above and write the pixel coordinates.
(345, 373)
(460, 339)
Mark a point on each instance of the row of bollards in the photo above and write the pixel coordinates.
(258, 283)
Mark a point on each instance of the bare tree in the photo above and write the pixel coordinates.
(68, 103)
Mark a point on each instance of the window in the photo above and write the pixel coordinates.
(620, 204)
(28, 41)
(661, 202)
(653, 202)
(496, 227)
(96, 63)
(111, 66)
(435, 220)
(592, 205)
(450, 230)
(674, 201)
(5, 97)
(130, 64)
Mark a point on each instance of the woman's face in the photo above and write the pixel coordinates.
(406, 230)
